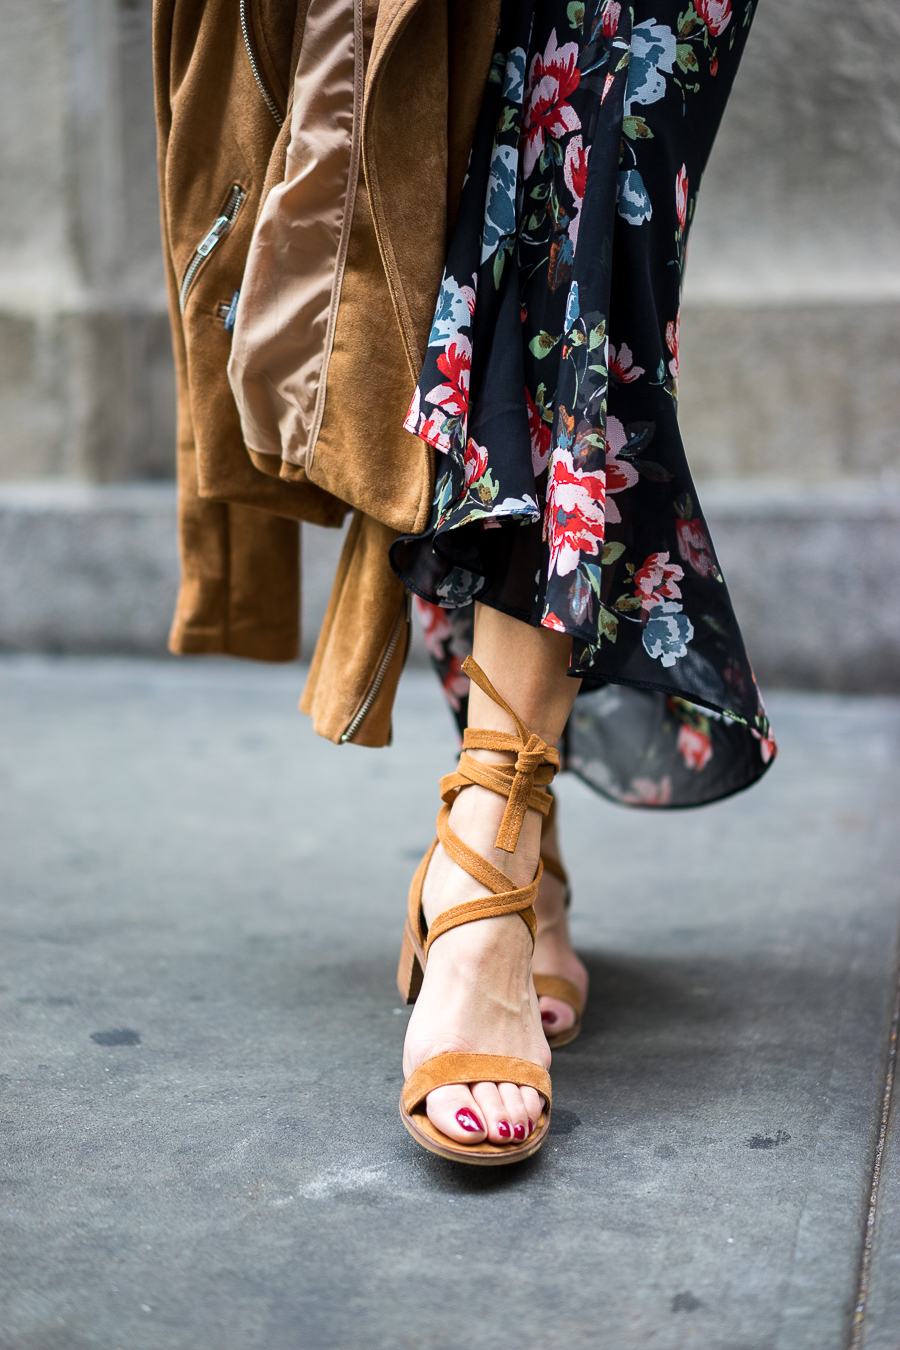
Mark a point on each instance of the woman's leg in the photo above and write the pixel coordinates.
(478, 994)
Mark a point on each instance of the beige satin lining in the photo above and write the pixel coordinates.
(284, 327)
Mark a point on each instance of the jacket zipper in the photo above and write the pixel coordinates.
(254, 64)
(221, 226)
(378, 681)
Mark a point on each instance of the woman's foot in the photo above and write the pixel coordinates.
(553, 951)
(477, 994)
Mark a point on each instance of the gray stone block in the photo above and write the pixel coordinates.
(811, 570)
(87, 569)
(767, 390)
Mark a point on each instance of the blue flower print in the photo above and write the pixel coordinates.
(666, 635)
(514, 77)
(572, 307)
(453, 312)
(652, 50)
(500, 200)
(633, 198)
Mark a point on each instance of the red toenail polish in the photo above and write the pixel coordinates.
(530, 1125)
(469, 1121)
(503, 1130)
(519, 1131)
(549, 1017)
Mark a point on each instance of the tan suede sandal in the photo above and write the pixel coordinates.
(535, 766)
(557, 986)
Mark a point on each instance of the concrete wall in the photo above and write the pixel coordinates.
(791, 326)
(790, 388)
(86, 383)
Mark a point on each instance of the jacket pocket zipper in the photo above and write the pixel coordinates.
(221, 226)
(364, 708)
(254, 64)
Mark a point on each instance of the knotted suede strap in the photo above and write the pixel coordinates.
(461, 1067)
(504, 898)
(536, 765)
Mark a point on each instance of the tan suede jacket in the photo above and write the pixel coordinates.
(311, 157)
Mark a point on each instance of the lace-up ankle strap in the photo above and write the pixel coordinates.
(536, 766)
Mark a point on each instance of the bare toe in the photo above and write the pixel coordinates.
(516, 1111)
(496, 1115)
(534, 1104)
(454, 1112)
(556, 1015)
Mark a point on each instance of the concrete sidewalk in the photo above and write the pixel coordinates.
(201, 905)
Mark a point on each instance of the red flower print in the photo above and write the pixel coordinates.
(695, 548)
(575, 514)
(431, 431)
(611, 12)
(619, 473)
(475, 463)
(456, 364)
(716, 14)
(575, 174)
(644, 792)
(541, 436)
(681, 195)
(435, 625)
(551, 621)
(552, 78)
(428, 429)
(455, 683)
(767, 747)
(714, 66)
(656, 581)
(621, 367)
(673, 338)
(694, 746)
(411, 422)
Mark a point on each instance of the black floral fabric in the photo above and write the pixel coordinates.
(549, 393)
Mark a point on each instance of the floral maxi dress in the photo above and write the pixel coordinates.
(549, 393)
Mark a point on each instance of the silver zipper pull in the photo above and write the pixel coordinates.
(207, 245)
(221, 226)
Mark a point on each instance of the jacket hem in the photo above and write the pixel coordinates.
(252, 644)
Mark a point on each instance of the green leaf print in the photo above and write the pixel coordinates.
(502, 254)
(628, 602)
(597, 337)
(575, 12)
(609, 625)
(540, 399)
(542, 345)
(507, 118)
(612, 551)
(636, 129)
(686, 58)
